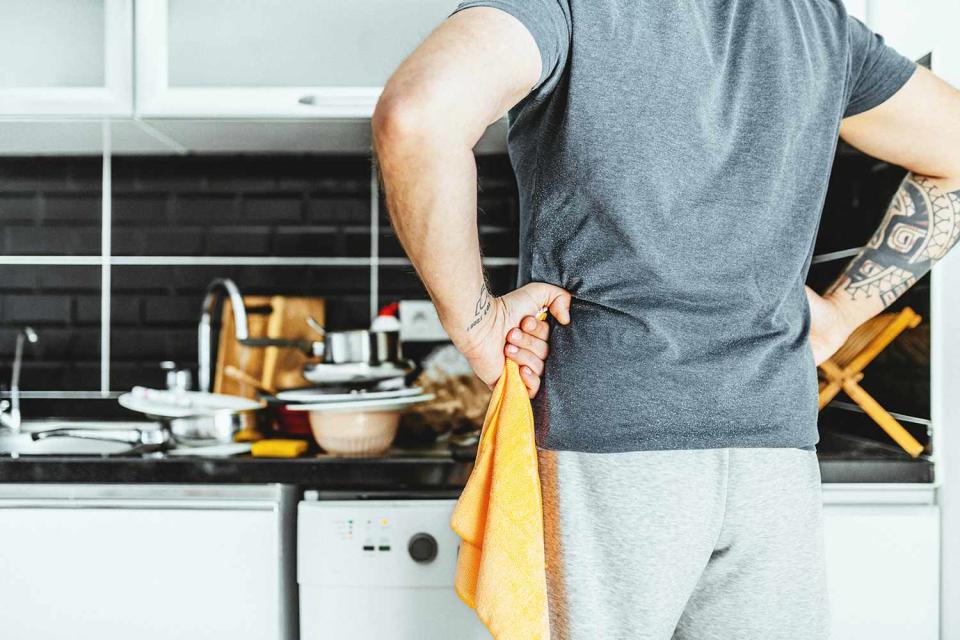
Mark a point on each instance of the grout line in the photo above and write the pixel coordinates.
(106, 225)
(48, 260)
(374, 240)
(200, 261)
(496, 262)
(265, 261)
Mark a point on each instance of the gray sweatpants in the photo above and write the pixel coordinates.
(723, 544)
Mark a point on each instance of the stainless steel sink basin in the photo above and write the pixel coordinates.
(24, 444)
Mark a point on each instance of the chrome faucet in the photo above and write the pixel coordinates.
(204, 338)
(241, 329)
(11, 420)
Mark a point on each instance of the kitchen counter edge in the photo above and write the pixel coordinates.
(327, 472)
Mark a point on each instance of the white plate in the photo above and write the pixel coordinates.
(386, 404)
(318, 395)
(182, 404)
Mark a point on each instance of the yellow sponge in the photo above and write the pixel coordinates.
(278, 448)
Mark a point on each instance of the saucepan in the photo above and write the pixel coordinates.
(196, 418)
(356, 346)
(214, 428)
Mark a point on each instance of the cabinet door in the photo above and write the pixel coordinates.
(914, 28)
(306, 58)
(144, 573)
(66, 58)
(857, 8)
(883, 571)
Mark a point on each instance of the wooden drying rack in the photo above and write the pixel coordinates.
(844, 370)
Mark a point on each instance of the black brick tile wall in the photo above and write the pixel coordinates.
(62, 304)
(195, 206)
(859, 192)
(50, 206)
(283, 206)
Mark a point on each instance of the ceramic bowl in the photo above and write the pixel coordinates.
(355, 433)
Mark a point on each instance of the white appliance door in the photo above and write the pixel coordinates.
(374, 569)
(119, 571)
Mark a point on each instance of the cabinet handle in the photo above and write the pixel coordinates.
(308, 100)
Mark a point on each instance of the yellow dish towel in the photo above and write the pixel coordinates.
(501, 567)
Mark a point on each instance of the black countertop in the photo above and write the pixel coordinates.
(430, 469)
(418, 470)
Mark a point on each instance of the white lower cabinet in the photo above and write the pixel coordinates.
(172, 565)
(883, 571)
(157, 562)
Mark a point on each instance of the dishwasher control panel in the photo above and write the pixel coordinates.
(376, 542)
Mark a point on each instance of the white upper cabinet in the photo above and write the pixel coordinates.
(254, 58)
(66, 58)
(857, 8)
(914, 28)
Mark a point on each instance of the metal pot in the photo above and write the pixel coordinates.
(360, 346)
(214, 428)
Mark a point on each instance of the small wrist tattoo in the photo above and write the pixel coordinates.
(482, 307)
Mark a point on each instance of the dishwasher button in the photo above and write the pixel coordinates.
(422, 547)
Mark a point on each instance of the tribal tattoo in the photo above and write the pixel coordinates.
(482, 307)
(920, 226)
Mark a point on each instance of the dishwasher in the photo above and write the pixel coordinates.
(379, 569)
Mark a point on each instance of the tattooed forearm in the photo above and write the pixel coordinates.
(482, 306)
(921, 225)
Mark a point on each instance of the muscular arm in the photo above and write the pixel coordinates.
(434, 109)
(919, 129)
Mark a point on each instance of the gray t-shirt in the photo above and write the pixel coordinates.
(672, 164)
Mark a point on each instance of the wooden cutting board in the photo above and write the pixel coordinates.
(267, 317)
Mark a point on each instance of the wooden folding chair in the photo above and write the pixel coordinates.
(844, 371)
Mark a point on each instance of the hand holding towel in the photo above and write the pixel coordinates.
(501, 567)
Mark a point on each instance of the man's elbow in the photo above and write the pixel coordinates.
(399, 120)
(421, 119)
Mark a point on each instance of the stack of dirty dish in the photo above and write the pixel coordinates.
(358, 420)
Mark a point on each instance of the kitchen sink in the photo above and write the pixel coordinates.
(23, 443)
